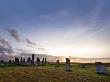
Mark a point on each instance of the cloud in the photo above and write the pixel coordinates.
(5, 42)
(56, 15)
(30, 42)
(5, 50)
(15, 34)
(5, 46)
(41, 49)
(96, 15)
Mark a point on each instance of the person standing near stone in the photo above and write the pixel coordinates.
(21, 59)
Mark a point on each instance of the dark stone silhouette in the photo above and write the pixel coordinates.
(16, 61)
(38, 61)
(2, 63)
(32, 58)
(21, 59)
(57, 63)
(10, 61)
(29, 62)
(45, 60)
(24, 60)
(68, 66)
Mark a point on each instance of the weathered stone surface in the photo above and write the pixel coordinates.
(68, 66)
(100, 68)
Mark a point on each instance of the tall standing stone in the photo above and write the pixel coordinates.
(38, 61)
(32, 58)
(57, 63)
(45, 61)
(17, 60)
(29, 61)
(68, 66)
(21, 59)
(23, 62)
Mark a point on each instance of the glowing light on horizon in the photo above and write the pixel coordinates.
(81, 51)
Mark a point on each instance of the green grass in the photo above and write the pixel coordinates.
(51, 73)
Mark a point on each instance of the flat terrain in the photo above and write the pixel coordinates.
(51, 73)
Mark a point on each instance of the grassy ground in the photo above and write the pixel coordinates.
(51, 73)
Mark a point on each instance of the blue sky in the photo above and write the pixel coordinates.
(63, 27)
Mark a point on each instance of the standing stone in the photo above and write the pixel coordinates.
(32, 58)
(57, 63)
(43, 61)
(100, 68)
(21, 59)
(28, 61)
(16, 61)
(24, 62)
(82, 65)
(38, 61)
(2, 63)
(13, 61)
(10, 62)
(68, 66)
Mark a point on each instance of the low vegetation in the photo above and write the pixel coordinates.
(51, 73)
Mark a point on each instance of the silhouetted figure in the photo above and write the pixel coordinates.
(38, 61)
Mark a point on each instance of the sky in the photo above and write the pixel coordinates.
(77, 28)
